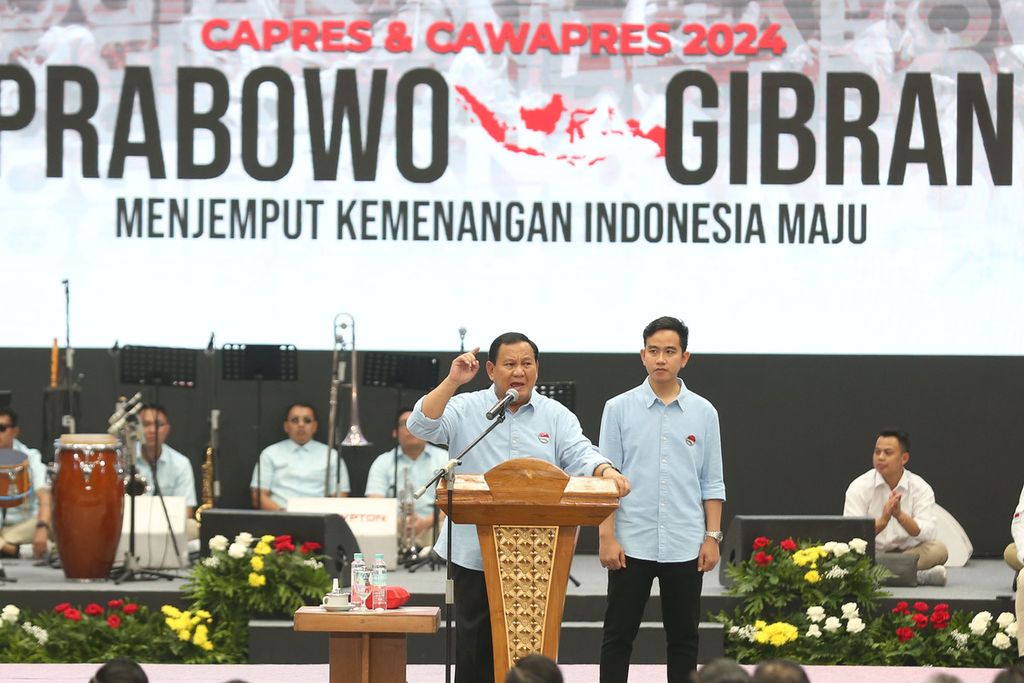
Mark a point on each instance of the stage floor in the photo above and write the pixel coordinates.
(433, 673)
(980, 580)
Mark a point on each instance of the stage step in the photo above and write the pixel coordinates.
(275, 642)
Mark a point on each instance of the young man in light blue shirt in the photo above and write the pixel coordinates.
(665, 439)
(535, 427)
(174, 475)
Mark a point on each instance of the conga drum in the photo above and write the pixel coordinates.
(88, 501)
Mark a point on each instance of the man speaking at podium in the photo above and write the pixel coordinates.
(535, 427)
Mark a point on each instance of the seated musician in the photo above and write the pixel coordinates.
(28, 522)
(411, 458)
(174, 475)
(295, 467)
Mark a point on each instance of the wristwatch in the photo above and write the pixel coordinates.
(717, 535)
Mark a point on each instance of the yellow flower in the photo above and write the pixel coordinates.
(256, 580)
(760, 624)
(776, 634)
(812, 576)
(203, 614)
(171, 611)
(200, 636)
(261, 548)
(269, 538)
(183, 634)
(257, 563)
(207, 645)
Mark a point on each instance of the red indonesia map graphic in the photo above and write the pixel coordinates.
(555, 120)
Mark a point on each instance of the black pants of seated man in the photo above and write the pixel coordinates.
(628, 592)
(474, 653)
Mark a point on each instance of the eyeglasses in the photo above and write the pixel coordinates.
(303, 420)
(5, 427)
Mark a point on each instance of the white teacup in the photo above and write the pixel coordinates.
(336, 601)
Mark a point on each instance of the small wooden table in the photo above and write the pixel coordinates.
(368, 647)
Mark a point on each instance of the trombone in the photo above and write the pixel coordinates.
(343, 322)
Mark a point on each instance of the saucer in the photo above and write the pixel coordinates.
(337, 608)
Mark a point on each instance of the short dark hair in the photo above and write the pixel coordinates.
(534, 668)
(158, 408)
(510, 338)
(721, 670)
(899, 435)
(666, 322)
(11, 414)
(779, 671)
(120, 670)
(299, 404)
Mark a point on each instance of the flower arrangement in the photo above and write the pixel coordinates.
(824, 600)
(240, 580)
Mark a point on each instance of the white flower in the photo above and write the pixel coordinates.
(1005, 619)
(979, 624)
(238, 550)
(10, 614)
(830, 546)
(832, 624)
(1011, 630)
(840, 549)
(859, 546)
(1001, 641)
(855, 625)
(245, 539)
(836, 573)
(734, 630)
(747, 632)
(960, 638)
(815, 613)
(211, 562)
(813, 631)
(36, 632)
(313, 562)
(850, 610)
(219, 542)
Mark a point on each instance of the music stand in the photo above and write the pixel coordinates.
(245, 362)
(402, 371)
(563, 392)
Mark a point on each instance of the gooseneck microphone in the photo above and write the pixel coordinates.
(511, 396)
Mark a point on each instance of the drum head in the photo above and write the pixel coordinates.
(10, 457)
(73, 440)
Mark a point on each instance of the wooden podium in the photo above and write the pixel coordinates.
(527, 513)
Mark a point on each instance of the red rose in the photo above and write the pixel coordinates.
(62, 607)
(762, 542)
(131, 608)
(114, 621)
(789, 544)
(115, 604)
(942, 607)
(72, 614)
(900, 608)
(920, 621)
(904, 634)
(939, 620)
(921, 606)
(93, 610)
(762, 558)
(284, 547)
(284, 538)
(309, 547)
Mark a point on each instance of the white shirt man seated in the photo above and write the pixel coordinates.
(903, 505)
(28, 522)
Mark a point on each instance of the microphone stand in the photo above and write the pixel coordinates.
(448, 474)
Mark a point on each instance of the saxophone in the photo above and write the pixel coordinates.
(407, 549)
(208, 485)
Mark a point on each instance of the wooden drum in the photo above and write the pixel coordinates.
(88, 501)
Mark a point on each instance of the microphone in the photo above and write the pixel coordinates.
(209, 347)
(511, 396)
(462, 340)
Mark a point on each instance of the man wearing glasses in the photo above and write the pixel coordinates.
(295, 467)
(30, 521)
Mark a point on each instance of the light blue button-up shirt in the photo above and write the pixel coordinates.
(37, 480)
(542, 428)
(380, 480)
(174, 474)
(293, 471)
(672, 456)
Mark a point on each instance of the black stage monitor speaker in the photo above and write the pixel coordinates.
(329, 530)
(739, 539)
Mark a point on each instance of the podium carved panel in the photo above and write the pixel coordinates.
(526, 556)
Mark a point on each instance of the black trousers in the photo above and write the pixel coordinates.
(628, 592)
(474, 654)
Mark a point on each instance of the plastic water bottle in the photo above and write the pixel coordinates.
(379, 582)
(360, 582)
